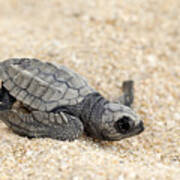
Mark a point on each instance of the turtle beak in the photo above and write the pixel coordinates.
(140, 128)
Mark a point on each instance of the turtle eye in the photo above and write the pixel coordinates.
(124, 124)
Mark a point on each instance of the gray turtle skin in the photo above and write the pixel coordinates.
(41, 99)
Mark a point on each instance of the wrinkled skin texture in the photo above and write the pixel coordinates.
(92, 113)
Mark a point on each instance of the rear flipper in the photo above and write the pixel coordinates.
(42, 124)
(6, 100)
(128, 94)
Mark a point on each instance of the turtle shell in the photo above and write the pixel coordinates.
(43, 85)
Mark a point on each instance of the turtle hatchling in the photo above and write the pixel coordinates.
(42, 99)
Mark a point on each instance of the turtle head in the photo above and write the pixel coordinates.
(119, 122)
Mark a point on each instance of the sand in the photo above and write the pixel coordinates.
(107, 42)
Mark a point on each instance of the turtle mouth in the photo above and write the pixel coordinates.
(107, 137)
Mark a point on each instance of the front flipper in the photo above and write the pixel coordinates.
(60, 126)
(128, 93)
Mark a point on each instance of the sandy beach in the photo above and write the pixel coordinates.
(107, 42)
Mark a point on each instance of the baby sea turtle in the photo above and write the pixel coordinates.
(42, 99)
